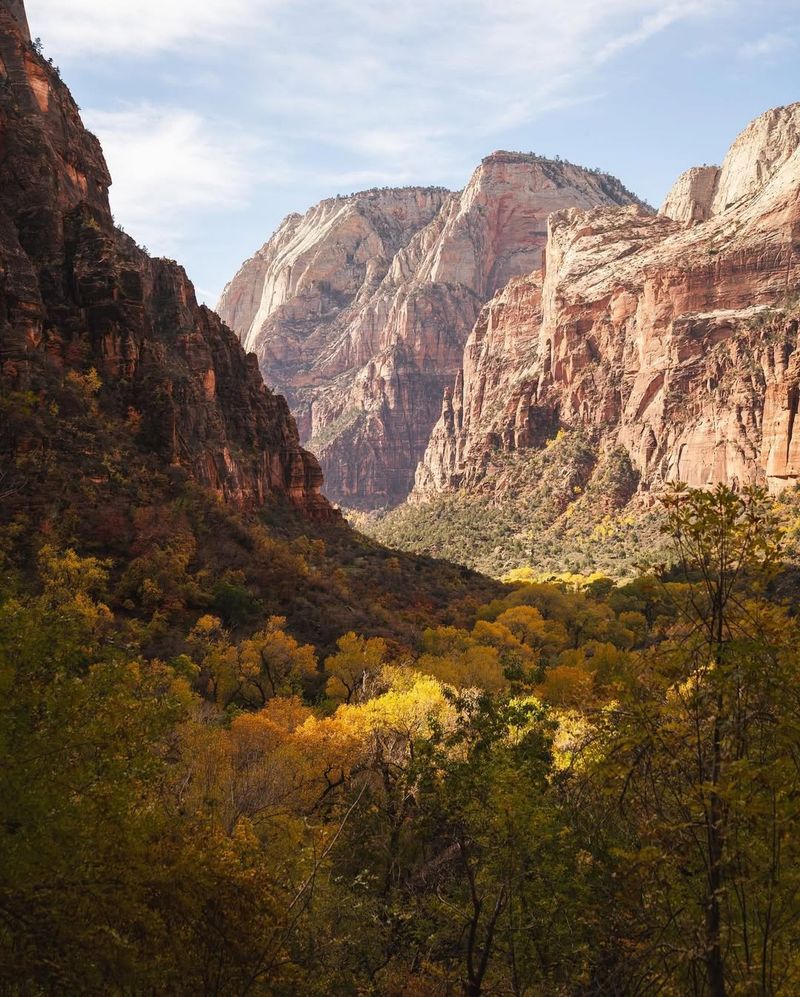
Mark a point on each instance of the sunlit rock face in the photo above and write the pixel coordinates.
(359, 310)
(692, 195)
(672, 336)
(76, 293)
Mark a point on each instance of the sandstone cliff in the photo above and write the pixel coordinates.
(673, 337)
(359, 310)
(77, 294)
(692, 195)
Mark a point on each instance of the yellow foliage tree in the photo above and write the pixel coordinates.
(357, 659)
(528, 625)
(268, 664)
(475, 668)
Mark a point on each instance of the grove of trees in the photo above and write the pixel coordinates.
(565, 790)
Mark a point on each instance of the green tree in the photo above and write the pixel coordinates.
(109, 883)
(502, 880)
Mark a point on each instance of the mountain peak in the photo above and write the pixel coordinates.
(673, 345)
(360, 309)
(757, 153)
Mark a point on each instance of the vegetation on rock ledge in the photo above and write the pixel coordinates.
(563, 508)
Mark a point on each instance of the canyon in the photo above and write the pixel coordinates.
(359, 310)
(427, 343)
(424, 339)
(246, 749)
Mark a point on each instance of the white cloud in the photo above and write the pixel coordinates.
(649, 26)
(767, 46)
(402, 86)
(340, 93)
(167, 164)
(140, 27)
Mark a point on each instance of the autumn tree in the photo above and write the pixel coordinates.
(357, 659)
(117, 874)
(502, 879)
(704, 761)
(253, 671)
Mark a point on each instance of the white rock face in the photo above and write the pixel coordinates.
(757, 154)
(359, 310)
(692, 194)
(342, 245)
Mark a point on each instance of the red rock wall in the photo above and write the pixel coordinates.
(676, 340)
(77, 293)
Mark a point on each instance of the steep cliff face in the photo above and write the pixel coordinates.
(76, 294)
(359, 310)
(692, 195)
(759, 152)
(672, 337)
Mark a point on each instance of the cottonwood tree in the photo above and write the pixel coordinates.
(703, 759)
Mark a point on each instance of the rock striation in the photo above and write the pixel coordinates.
(674, 337)
(76, 294)
(359, 310)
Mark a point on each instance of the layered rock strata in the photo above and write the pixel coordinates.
(359, 310)
(77, 294)
(674, 337)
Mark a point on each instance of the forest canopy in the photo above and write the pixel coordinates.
(558, 790)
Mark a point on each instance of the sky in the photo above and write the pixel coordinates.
(220, 117)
